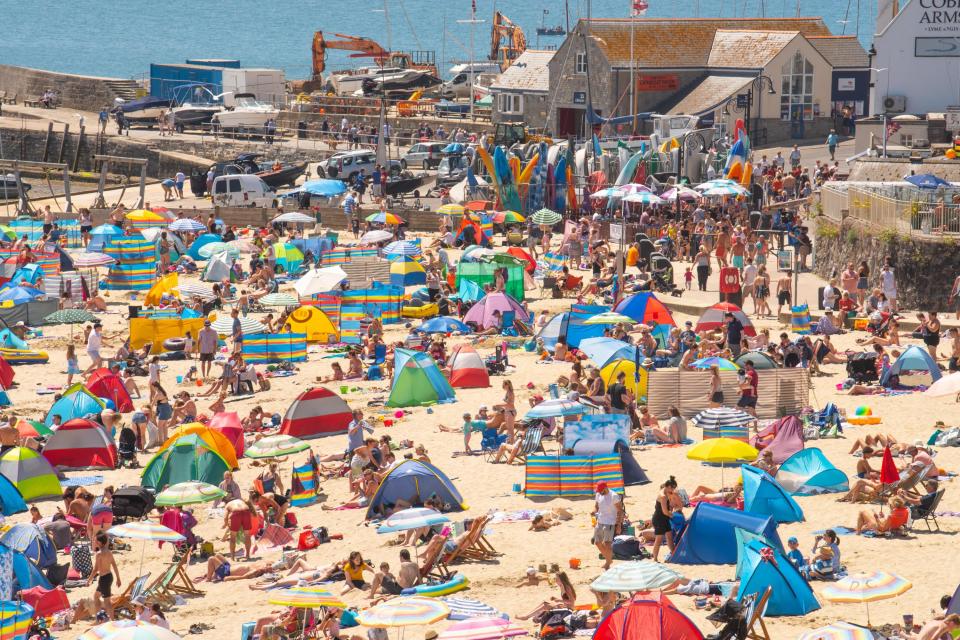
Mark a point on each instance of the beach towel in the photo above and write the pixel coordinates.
(275, 536)
(81, 481)
(840, 531)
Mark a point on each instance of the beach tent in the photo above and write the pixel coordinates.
(530, 265)
(186, 459)
(568, 476)
(604, 350)
(200, 241)
(633, 473)
(212, 438)
(912, 367)
(570, 325)
(418, 381)
(316, 413)
(766, 567)
(289, 257)
(27, 576)
(157, 330)
(314, 323)
(104, 383)
(30, 473)
(809, 472)
(228, 423)
(6, 373)
(407, 272)
(715, 317)
(644, 307)
(764, 496)
(261, 348)
(647, 616)
(468, 291)
(77, 402)
(81, 444)
(219, 268)
(784, 437)
(164, 285)
(759, 359)
(414, 482)
(11, 501)
(32, 541)
(711, 538)
(482, 313)
(636, 379)
(467, 369)
(483, 273)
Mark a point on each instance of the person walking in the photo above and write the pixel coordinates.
(832, 141)
(784, 287)
(206, 346)
(608, 515)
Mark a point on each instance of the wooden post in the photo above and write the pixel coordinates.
(66, 191)
(76, 152)
(46, 142)
(63, 143)
(100, 201)
(143, 186)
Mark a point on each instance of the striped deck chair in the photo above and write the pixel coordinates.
(123, 603)
(174, 581)
(532, 443)
(430, 565)
(468, 548)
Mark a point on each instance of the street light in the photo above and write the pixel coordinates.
(757, 85)
(881, 70)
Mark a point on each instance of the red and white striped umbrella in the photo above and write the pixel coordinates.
(481, 629)
(715, 317)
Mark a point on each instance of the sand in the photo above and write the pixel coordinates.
(922, 558)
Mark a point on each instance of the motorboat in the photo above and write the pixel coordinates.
(404, 182)
(145, 110)
(250, 163)
(247, 113)
(347, 83)
(194, 115)
(401, 83)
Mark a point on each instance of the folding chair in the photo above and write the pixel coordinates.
(572, 284)
(549, 283)
(928, 513)
(532, 443)
(430, 565)
(756, 627)
(507, 322)
(379, 354)
(490, 442)
(123, 603)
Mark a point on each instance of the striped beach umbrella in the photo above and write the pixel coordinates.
(142, 632)
(644, 197)
(451, 210)
(686, 194)
(276, 446)
(508, 217)
(866, 587)
(725, 190)
(384, 217)
(90, 259)
(105, 630)
(722, 417)
(608, 317)
(546, 216)
(279, 300)
(224, 325)
(715, 316)
(306, 598)
(481, 629)
(839, 631)
(403, 248)
(464, 608)
(145, 531)
(195, 290)
(213, 248)
(32, 428)
(722, 363)
(189, 493)
(186, 225)
(404, 612)
(295, 217)
(413, 518)
(555, 408)
(643, 575)
(375, 236)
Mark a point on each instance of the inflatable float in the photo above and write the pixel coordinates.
(423, 311)
(24, 356)
(458, 582)
(864, 420)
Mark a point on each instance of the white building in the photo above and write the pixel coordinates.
(917, 59)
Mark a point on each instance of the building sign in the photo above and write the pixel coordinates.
(931, 47)
(743, 100)
(659, 82)
(616, 231)
(846, 84)
(953, 120)
(940, 12)
(579, 97)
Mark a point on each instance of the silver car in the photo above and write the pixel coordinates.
(425, 154)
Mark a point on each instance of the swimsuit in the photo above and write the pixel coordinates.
(104, 584)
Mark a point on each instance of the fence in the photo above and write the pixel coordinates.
(926, 213)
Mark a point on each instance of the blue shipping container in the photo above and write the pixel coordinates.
(165, 78)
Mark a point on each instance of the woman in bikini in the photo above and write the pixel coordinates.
(509, 407)
(567, 599)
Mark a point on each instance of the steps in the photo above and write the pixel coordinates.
(125, 89)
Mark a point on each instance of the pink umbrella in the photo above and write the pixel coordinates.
(481, 629)
(228, 423)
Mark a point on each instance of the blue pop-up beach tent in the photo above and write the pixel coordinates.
(77, 401)
(764, 496)
(711, 537)
(790, 594)
(913, 359)
(11, 500)
(809, 472)
(570, 325)
(414, 482)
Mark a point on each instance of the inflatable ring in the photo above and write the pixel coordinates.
(864, 420)
(175, 344)
(23, 356)
(456, 583)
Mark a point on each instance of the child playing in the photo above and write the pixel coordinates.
(73, 365)
(104, 569)
(469, 426)
(688, 278)
(822, 568)
(794, 555)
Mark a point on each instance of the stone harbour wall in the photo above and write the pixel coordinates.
(87, 93)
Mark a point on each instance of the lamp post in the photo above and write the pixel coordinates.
(881, 70)
(756, 85)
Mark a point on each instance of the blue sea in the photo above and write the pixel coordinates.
(121, 38)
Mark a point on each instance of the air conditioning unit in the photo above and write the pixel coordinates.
(894, 104)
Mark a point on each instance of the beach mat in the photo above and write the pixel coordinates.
(840, 531)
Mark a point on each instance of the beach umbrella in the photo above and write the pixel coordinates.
(70, 316)
(186, 225)
(546, 216)
(607, 194)
(475, 253)
(145, 531)
(403, 248)
(481, 629)
(464, 608)
(555, 408)
(839, 631)
(718, 418)
(89, 259)
(628, 577)
(279, 300)
(723, 451)
(946, 386)
(443, 324)
(244, 246)
(928, 181)
(722, 190)
(195, 290)
(644, 197)
(866, 587)
(451, 210)
(375, 236)
(32, 428)
(405, 611)
(686, 194)
(508, 217)
(276, 446)
(306, 598)
(105, 630)
(722, 363)
(632, 187)
(412, 518)
(608, 317)
(320, 280)
(384, 217)
(224, 325)
(295, 217)
(128, 630)
(323, 187)
(144, 215)
(214, 248)
(189, 493)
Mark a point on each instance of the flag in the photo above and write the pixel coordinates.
(638, 8)
(597, 151)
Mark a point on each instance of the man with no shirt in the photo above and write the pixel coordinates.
(784, 289)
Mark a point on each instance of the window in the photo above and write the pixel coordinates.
(511, 103)
(220, 186)
(796, 89)
(906, 139)
(580, 64)
(234, 186)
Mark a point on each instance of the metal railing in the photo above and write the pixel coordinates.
(924, 215)
(352, 107)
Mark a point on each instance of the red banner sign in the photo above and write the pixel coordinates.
(660, 82)
(729, 280)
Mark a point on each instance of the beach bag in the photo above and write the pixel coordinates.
(81, 558)
(290, 520)
(307, 541)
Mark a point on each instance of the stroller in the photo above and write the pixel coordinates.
(127, 448)
(879, 323)
(497, 364)
(131, 502)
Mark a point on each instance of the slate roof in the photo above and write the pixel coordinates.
(529, 72)
(842, 52)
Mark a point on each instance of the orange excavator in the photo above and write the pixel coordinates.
(367, 48)
(507, 41)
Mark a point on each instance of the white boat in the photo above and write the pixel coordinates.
(346, 83)
(247, 113)
(194, 115)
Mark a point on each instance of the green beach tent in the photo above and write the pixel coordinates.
(30, 473)
(417, 381)
(187, 459)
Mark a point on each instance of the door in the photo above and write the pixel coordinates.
(797, 125)
(570, 122)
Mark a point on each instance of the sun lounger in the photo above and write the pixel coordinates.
(928, 513)
(123, 603)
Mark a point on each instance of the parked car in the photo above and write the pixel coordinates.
(425, 154)
(347, 164)
(242, 190)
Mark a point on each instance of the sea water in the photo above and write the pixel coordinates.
(120, 38)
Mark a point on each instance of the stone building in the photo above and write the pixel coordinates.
(520, 93)
(700, 66)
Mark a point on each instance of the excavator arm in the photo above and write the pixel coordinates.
(364, 48)
(507, 41)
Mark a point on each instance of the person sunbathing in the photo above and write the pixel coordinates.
(864, 468)
(869, 520)
(875, 441)
(219, 569)
(726, 495)
(567, 599)
(542, 523)
(299, 573)
(863, 490)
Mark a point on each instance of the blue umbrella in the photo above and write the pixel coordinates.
(31, 541)
(100, 235)
(604, 350)
(443, 324)
(927, 181)
(325, 188)
(186, 224)
(20, 295)
(403, 248)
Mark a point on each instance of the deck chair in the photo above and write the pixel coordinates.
(928, 513)
(430, 567)
(467, 549)
(532, 443)
(123, 603)
(379, 354)
(174, 581)
(908, 482)
(756, 627)
(572, 284)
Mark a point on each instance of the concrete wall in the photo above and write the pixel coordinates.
(893, 169)
(87, 93)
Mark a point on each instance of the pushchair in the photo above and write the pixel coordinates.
(497, 363)
(131, 502)
(879, 323)
(127, 448)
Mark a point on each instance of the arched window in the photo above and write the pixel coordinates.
(796, 89)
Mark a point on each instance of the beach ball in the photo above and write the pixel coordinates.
(863, 410)
(109, 403)
(398, 414)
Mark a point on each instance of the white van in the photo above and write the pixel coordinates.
(242, 190)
